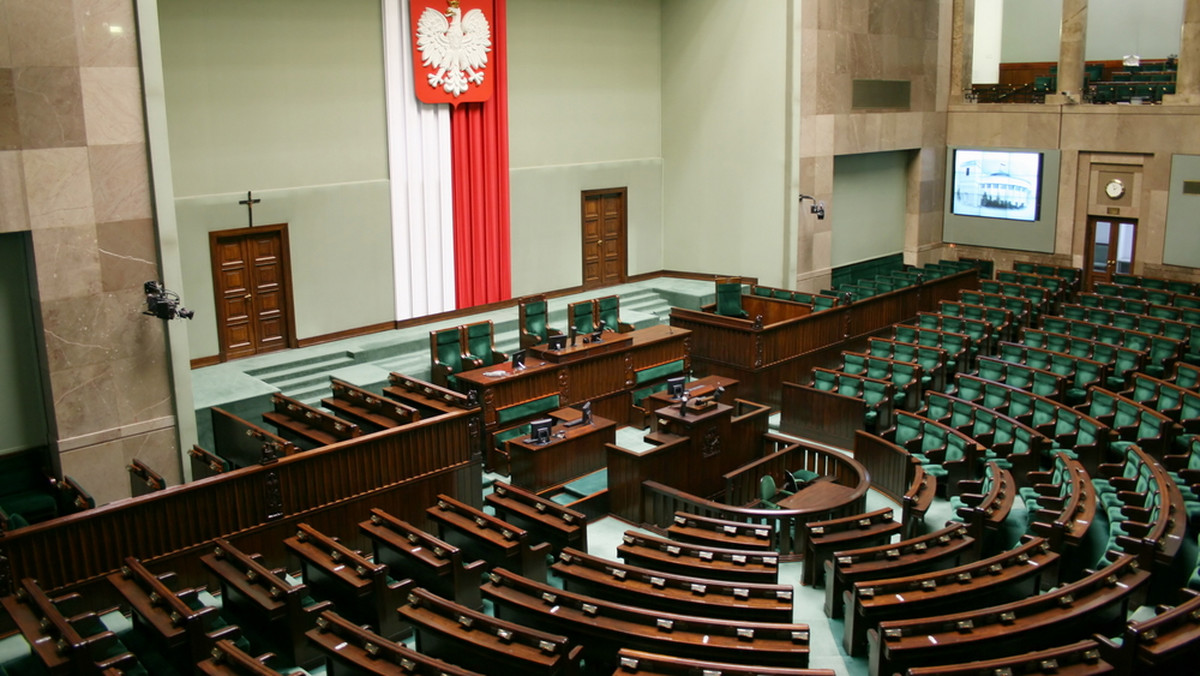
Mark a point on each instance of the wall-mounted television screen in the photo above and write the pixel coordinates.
(1004, 184)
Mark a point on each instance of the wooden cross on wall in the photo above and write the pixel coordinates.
(249, 203)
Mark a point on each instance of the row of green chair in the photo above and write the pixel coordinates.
(1174, 285)
(1080, 434)
(1127, 320)
(956, 345)
(1037, 381)
(1146, 293)
(986, 506)
(1060, 506)
(1039, 297)
(978, 331)
(1023, 310)
(1002, 321)
(904, 376)
(1012, 443)
(932, 360)
(1125, 92)
(1117, 303)
(1161, 352)
(461, 348)
(1131, 421)
(1177, 313)
(818, 301)
(1059, 287)
(1073, 275)
(876, 394)
(1120, 361)
(942, 451)
(1179, 404)
(1080, 372)
(1142, 503)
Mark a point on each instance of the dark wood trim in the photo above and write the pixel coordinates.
(201, 362)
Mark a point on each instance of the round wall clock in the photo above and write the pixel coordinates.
(1115, 189)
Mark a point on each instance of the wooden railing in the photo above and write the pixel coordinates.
(741, 485)
(334, 485)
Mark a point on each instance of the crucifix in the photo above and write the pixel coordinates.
(249, 202)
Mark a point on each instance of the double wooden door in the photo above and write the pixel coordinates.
(1110, 248)
(604, 237)
(252, 280)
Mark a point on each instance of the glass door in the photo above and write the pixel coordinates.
(1110, 248)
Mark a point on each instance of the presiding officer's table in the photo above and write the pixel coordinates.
(573, 451)
(603, 372)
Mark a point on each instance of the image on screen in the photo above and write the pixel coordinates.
(997, 184)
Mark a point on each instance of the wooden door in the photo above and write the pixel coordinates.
(252, 280)
(1110, 248)
(604, 237)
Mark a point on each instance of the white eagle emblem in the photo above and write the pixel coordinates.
(457, 48)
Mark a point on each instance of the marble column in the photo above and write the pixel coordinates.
(962, 40)
(1071, 44)
(1187, 76)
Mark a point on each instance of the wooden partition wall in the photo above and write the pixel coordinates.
(764, 354)
(400, 470)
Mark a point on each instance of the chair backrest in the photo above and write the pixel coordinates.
(766, 487)
(447, 348)
(532, 316)
(479, 341)
(608, 310)
(581, 316)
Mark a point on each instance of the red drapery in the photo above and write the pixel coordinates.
(479, 146)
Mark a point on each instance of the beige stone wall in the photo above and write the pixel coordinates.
(844, 40)
(73, 173)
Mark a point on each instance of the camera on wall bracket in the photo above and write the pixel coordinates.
(164, 303)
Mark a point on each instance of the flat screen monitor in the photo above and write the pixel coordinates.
(1003, 184)
(539, 430)
(675, 386)
(518, 360)
(557, 343)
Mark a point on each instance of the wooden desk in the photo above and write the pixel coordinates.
(572, 452)
(819, 493)
(701, 387)
(692, 453)
(601, 372)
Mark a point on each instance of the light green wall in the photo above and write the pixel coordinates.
(724, 136)
(22, 416)
(1182, 244)
(1115, 28)
(584, 113)
(1030, 31)
(286, 98)
(870, 201)
(1120, 27)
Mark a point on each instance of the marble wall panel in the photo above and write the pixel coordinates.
(42, 32)
(14, 217)
(85, 400)
(10, 130)
(107, 35)
(50, 107)
(142, 383)
(120, 175)
(5, 41)
(112, 105)
(67, 262)
(58, 186)
(128, 254)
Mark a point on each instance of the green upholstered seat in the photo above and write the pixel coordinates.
(658, 372)
(481, 344)
(535, 328)
(729, 299)
(803, 476)
(825, 380)
(528, 409)
(581, 316)
(768, 493)
(608, 310)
